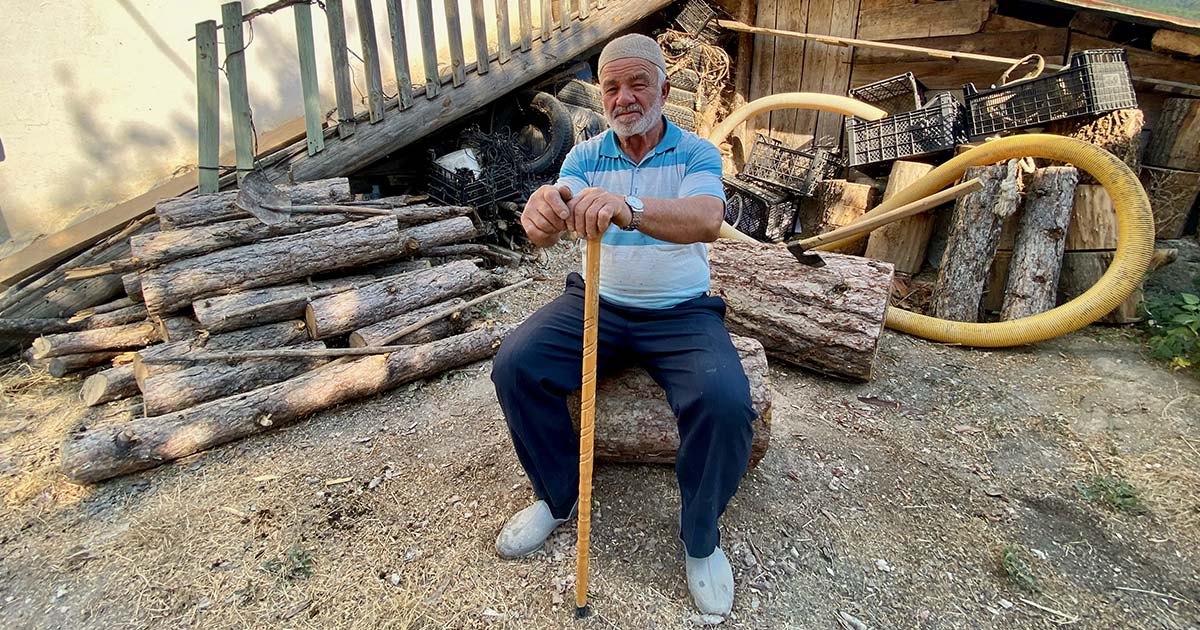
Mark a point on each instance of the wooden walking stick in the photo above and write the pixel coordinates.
(587, 418)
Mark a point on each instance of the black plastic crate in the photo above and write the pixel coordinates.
(1094, 82)
(699, 20)
(772, 163)
(938, 126)
(496, 182)
(758, 211)
(894, 95)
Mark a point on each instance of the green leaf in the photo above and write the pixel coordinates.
(1188, 298)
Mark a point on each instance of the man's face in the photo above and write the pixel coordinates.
(633, 97)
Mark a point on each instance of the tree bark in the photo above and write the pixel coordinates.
(154, 249)
(271, 304)
(1172, 196)
(978, 220)
(127, 315)
(94, 455)
(194, 384)
(490, 253)
(132, 282)
(1118, 132)
(836, 203)
(189, 211)
(826, 319)
(1093, 219)
(124, 337)
(397, 267)
(634, 423)
(59, 367)
(380, 332)
(111, 384)
(176, 327)
(1037, 258)
(20, 329)
(1175, 140)
(274, 335)
(903, 243)
(177, 284)
(357, 308)
(440, 233)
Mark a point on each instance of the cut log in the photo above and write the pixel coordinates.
(272, 304)
(189, 211)
(825, 319)
(1093, 220)
(177, 284)
(349, 310)
(176, 327)
(379, 333)
(634, 423)
(173, 390)
(1081, 270)
(161, 247)
(418, 215)
(137, 335)
(903, 243)
(133, 285)
(836, 203)
(274, 335)
(489, 252)
(26, 328)
(111, 384)
(94, 455)
(59, 367)
(440, 233)
(978, 220)
(1093, 23)
(108, 307)
(1166, 40)
(1172, 196)
(1175, 140)
(1118, 132)
(127, 315)
(1037, 259)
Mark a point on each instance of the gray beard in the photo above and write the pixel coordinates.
(642, 125)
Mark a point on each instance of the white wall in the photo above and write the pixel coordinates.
(97, 98)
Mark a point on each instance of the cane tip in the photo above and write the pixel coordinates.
(582, 611)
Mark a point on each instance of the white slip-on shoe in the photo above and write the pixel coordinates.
(527, 530)
(710, 581)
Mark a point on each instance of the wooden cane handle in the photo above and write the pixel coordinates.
(587, 418)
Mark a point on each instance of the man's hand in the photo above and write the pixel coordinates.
(546, 215)
(593, 209)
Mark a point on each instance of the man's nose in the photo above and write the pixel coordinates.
(625, 96)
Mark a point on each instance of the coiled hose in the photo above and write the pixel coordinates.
(1135, 225)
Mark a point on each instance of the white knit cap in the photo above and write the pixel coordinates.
(633, 45)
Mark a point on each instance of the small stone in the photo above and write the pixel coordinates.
(882, 565)
(706, 620)
(1004, 603)
(395, 579)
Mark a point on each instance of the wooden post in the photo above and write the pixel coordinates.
(341, 67)
(547, 19)
(1093, 220)
(458, 67)
(239, 98)
(564, 15)
(208, 107)
(400, 53)
(903, 243)
(313, 117)
(585, 7)
(370, 50)
(526, 15)
(429, 57)
(1037, 255)
(503, 36)
(479, 29)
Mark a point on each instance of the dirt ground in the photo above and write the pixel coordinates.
(952, 491)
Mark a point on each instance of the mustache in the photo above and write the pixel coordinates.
(628, 109)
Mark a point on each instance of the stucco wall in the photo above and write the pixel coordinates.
(98, 97)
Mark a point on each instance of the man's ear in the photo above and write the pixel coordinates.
(666, 88)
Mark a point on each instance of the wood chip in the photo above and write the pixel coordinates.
(334, 482)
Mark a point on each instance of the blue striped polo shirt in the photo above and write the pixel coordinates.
(636, 269)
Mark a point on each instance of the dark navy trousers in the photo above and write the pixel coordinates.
(687, 351)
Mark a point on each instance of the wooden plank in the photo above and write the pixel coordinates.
(788, 72)
(1169, 41)
(458, 67)
(584, 7)
(335, 20)
(428, 117)
(208, 105)
(814, 69)
(400, 53)
(428, 48)
(370, 53)
(564, 14)
(239, 98)
(503, 36)
(952, 17)
(526, 17)
(479, 29)
(313, 118)
(761, 69)
(547, 19)
(827, 68)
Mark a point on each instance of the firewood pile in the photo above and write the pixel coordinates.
(202, 277)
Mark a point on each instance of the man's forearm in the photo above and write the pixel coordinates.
(689, 220)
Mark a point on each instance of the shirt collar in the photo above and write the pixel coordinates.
(671, 136)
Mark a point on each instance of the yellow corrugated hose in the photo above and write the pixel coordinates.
(1135, 225)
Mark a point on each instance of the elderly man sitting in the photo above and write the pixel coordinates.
(654, 192)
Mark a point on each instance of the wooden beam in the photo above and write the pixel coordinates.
(208, 106)
(479, 29)
(1168, 41)
(239, 98)
(400, 53)
(503, 36)
(370, 53)
(547, 19)
(458, 66)
(429, 55)
(526, 15)
(881, 20)
(335, 19)
(313, 117)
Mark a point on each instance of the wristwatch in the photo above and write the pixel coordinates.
(635, 212)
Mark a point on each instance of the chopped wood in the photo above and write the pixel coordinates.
(111, 384)
(825, 319)
(124, 337)
(349, 310)
(634, 423)
(1118, 132)
(904, 242)
(177, 284)
(384, 332)
(978, 220)
(133, 285)
(265, 336)
(97, 454)
(1093, 220)
(440, 233)
(161, 247)
(107, 307)
(60, 366)
(1172, 196)
(1175, 139)
(272, 304)
(182, 212)
(1037, 257)
(26, 328)
(176, 327)
(1168, 41)
(127, 315)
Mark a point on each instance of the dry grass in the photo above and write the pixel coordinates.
(1168, 480)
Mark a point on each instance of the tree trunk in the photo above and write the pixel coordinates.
(835, 204)
(1175, 140)
(380, 332)
(978, 220)
(111, 384)
(357, 308)
(177, 284)
(1118, 132)
(1093, 219)
(1172, 196)
(903, 242)
(634, 423)
(1037, 258)
(161, 247)
(440, 233)
(124, 337)
(132, 282)
(98, 454)
(274, 335)
(1081, 270)
(194, 384)
(271, 304)
(826, 319)
(189, 211)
